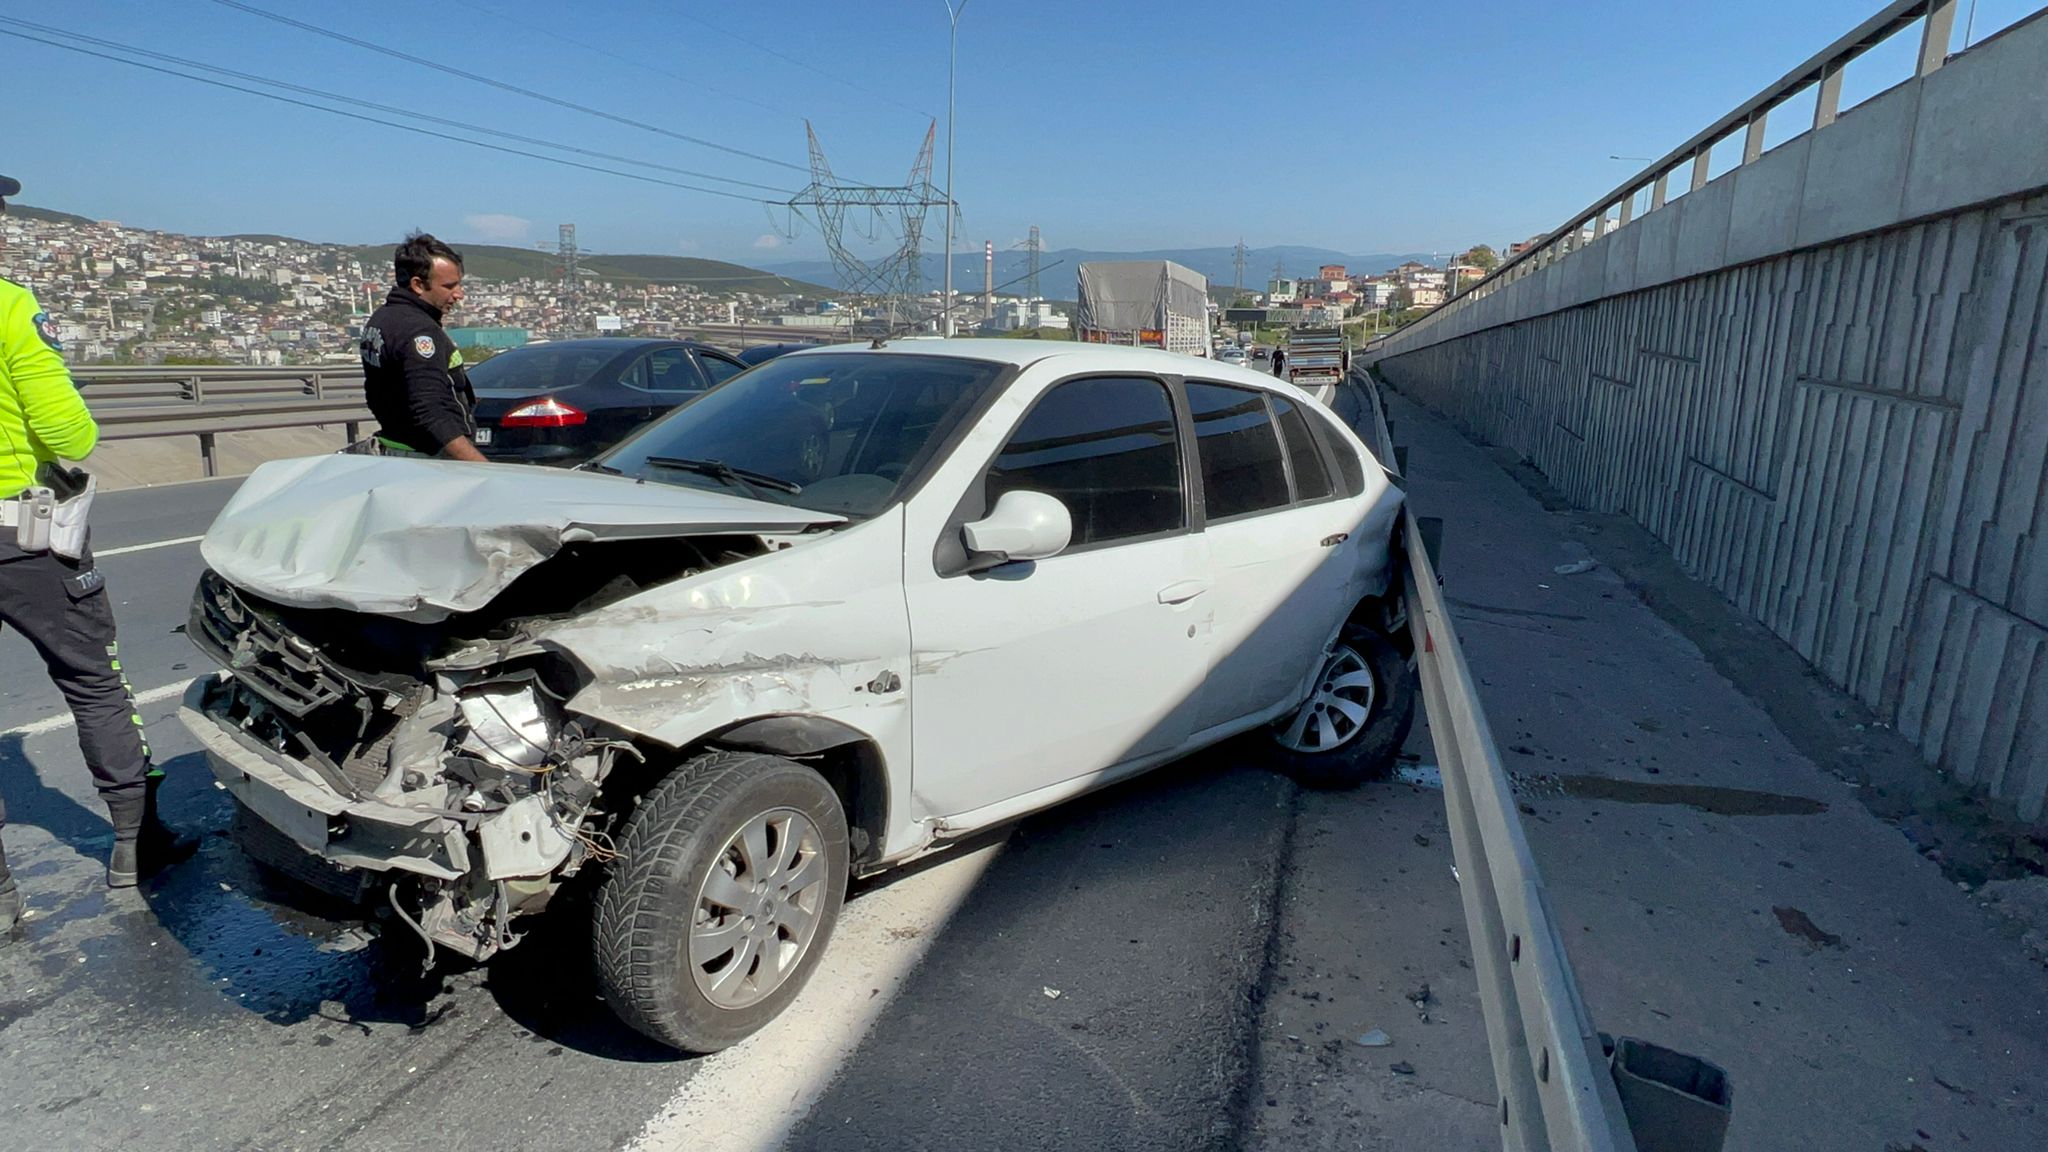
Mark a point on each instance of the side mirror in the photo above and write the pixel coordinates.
(1023, 526)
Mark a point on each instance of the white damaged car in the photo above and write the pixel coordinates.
(850, 606)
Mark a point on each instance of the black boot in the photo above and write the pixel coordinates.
(143, 846)
(10, 900)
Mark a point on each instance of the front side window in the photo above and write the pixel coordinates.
(833, 432)
(1106, 448)
(1242, 471)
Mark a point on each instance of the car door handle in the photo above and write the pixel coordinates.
(1183, 591)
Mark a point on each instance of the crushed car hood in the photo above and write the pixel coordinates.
(425, 539)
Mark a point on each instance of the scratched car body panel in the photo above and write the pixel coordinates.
(959, 580)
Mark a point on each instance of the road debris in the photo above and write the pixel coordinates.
(1576, 567)
(1801, 925)
(1377, 1038)
(1402, 1067)
(1053, 993)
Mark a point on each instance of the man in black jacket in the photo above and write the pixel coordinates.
(413, 377)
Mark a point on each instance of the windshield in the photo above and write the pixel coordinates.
(843, 429)
(541, 367)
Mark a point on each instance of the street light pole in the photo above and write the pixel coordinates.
(952, 42)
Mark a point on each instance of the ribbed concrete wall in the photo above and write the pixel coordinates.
(1849, 440)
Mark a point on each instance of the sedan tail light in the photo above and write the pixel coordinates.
(544, 413)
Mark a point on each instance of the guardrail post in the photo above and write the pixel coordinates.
(1432, 530)
(1658, 190)
(350, 430)
(1699, 166)
(206, 454)
(194, 389)
(1753, 141)
(1934, 36)
(1828, 94)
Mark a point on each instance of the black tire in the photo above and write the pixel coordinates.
(648, 903)
(1370, 752)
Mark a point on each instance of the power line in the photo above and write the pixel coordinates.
(374, 106)
(386, 123)
(721, 93)
(500, 84)
(758, 46)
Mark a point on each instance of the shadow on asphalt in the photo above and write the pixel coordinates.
(270, 946)
(546, 984)
(30, 801)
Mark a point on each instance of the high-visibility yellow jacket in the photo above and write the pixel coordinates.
(42, 417)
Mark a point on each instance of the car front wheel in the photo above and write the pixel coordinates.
(731, 875)
(1356, 718)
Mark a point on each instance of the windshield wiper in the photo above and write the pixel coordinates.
(723, 471)
(594, 466)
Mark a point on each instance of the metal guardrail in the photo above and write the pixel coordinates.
(171, 400)
(1823, 71)
(1562, 1085)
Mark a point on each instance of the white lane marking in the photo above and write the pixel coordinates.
(97, 555)
(64, 720)
(748, 1097)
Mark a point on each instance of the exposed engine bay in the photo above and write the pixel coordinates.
(437, 761)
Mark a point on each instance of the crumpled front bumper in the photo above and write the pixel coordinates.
(291, 798)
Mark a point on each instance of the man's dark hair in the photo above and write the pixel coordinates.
(415, 257)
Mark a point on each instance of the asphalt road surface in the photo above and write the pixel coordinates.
(1186, 961)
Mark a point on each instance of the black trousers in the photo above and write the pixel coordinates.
(62, 607)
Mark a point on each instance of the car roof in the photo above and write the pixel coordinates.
(612, 343)
(1025, 353)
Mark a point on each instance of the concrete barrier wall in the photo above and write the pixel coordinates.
(1823, 381)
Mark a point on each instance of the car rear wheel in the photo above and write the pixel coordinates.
(730, 881)
(1356, 718)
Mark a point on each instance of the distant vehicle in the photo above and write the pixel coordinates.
(1231, 355)
(1316, 361)
(1147, 303)
(1261, 352)
(761, 353)
(565, 401)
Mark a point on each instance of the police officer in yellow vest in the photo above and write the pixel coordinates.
(51, 593)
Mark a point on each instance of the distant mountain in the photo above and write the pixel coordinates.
(26, 212)
(1057, 266)
(499, 262)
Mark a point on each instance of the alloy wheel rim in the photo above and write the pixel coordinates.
(1336, 711)
(758, 910)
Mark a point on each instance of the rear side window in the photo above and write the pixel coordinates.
(1304, 455)
(1240, 451)
(1107, 449)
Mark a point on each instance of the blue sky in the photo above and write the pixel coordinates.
(1360, 125)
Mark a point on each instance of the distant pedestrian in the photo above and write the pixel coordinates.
(1280, 363)
(413, 378)
(51, 592)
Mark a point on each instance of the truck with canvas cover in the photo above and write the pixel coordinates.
(1143, 303)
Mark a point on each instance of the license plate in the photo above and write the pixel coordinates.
(483, 437)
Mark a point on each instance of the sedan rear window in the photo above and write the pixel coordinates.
(538, 368)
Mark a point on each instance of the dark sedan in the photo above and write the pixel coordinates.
(565, 401)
